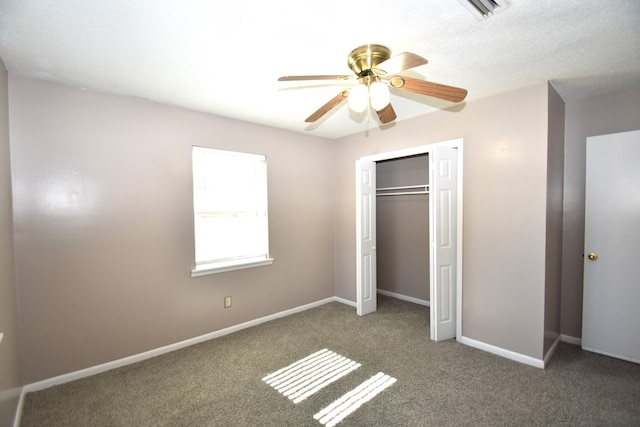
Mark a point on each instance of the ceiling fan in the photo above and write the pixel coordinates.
(375, 71)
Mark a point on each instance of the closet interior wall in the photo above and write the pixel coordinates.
(403, 227)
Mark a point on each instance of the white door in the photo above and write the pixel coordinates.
(366, 275)
(443, 228)
(612, 243)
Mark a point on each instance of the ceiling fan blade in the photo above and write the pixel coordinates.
(387, 114)
(401, 62)
(423, 87)
(327, 77)
(328, 106)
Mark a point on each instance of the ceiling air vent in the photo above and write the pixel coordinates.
(483, 9)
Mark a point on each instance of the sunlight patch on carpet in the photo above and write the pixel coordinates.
(349, 402)
(311, 374)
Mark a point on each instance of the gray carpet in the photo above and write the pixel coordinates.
(219, 382)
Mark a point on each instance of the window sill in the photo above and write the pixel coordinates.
(206, 269)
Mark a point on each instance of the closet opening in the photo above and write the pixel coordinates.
(420, 187)
(402, 228)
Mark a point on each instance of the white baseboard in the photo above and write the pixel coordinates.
(72, 376)
(345, 301)
(17, 420)
(528, 360)
(404, 297)
(508, 354)
(571, 340)
(552, 350)
(13, 395)
(389, 294)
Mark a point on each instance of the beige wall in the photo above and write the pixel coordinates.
(402, 233)
(104, 229)
(505, 156)
(9, 363)
(555, 180)
(611, 113)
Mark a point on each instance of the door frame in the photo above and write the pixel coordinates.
(457, 143)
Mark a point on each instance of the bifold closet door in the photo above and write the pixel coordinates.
(444, 249)
(366, 274)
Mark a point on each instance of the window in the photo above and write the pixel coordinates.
(230, 210)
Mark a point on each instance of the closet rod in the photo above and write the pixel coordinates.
(405, 187)
(401, 193)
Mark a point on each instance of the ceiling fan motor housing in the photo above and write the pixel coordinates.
(362, 59)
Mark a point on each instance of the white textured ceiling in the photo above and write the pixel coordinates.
(224, 57)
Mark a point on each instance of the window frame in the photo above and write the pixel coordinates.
(202, 268)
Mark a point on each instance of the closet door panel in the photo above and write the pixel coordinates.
(444, 249)
(366, 275)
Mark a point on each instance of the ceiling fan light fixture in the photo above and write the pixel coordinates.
(379, 95)
(358, 98)
(375, 70)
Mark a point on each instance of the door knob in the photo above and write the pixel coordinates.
(592, 256)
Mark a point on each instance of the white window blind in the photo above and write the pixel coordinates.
(230, 210)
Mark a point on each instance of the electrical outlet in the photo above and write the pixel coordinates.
(227, 302)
